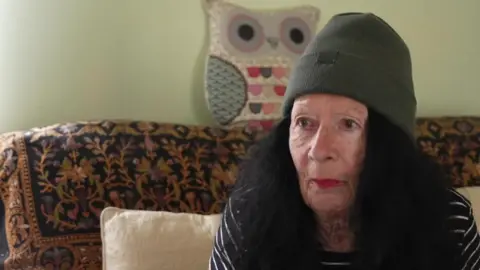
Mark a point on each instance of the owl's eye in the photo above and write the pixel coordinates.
(245, 33)
(295, 34)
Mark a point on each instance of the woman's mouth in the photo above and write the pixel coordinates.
(325, 183)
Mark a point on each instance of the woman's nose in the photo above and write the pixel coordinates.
(322, 146)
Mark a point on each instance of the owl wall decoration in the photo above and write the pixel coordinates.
(250, 55)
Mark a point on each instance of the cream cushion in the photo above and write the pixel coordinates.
(150, 240)
(473, 194)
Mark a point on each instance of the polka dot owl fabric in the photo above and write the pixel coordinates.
(250, 55)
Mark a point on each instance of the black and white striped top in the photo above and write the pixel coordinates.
(461, 222)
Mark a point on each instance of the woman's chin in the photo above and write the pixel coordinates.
(330, 201)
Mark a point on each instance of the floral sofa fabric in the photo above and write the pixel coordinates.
(455, 143)
(55, 181)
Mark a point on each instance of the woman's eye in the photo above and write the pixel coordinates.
(304, 123)
(350, 124)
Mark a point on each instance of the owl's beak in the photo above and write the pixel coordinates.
(273, 41)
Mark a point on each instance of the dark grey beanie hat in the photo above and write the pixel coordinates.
(358, 55)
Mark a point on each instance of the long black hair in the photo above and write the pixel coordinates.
(399, 214)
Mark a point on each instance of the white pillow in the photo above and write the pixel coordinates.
(144, 240)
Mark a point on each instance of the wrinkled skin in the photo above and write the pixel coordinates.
(327, 140)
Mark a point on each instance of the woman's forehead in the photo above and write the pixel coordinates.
(320, 102)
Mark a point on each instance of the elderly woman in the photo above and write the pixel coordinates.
(339, 183)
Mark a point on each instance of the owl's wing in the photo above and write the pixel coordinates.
(226, 90)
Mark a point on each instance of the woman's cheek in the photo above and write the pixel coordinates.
(298, 138)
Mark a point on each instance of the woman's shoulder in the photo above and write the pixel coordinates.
(461, 212)
(458, 199)
(462, 224)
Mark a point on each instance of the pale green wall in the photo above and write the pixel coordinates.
(89, 59)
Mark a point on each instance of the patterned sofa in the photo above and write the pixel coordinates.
(55, 181)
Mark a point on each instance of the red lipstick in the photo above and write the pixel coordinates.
(327, 183)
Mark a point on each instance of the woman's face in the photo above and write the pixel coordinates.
(327, 144)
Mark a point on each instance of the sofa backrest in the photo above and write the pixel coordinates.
(55, 181)
(455, 143)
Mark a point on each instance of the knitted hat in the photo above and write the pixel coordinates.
(358, 55)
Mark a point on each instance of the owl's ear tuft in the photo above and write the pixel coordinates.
(316, 14)
(208, 3)
(311, 13)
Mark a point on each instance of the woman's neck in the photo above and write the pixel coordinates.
(334, 232)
